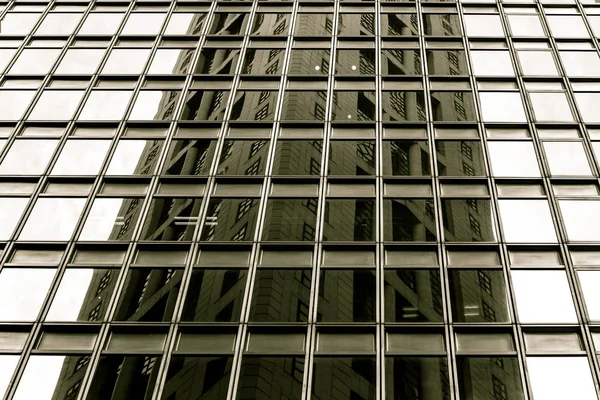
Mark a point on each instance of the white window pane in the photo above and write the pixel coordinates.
(502, 107)
(101, 219)
(12, 209)
(527, 221)
(101, 23)
(526, 25)
(181, 23)
(551, 107)
(590, 282)
(126, 61)
(513, 159)
(80, 61)
(550, 302)
(69, 301)
(588, 104)
(559, 378)
(581, 63)
(34, 61)
(13, 103)
(164, 61)
(8, 364)
(567, 26)
(52, 219)
(28, 157)
(81, 157)
(5, 56)
(56, 105)
(105, 105)
(567, 158)
(581, 219)
(492, 63)
(483, 25)
(143, 24)
(126, 158)
(22, 292)
(537, 63)
(18, 23)
(40, 378)
(59, 24)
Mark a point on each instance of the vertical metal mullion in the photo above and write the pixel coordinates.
(379, 191)
(437, 201)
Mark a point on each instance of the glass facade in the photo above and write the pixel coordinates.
(299, 200)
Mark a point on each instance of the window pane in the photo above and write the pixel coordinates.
(79, 285)
(130, 376)
(551, 107)
(153, 304)
(567, 158)
(492, 63)
(96, 108)
(12, 209)
(413, 295)
(28, 157)
(547, 303)
(417, 378)
(349, 220)
(357, 306)
(478, 296)
(513, 159)
(359, 380)
(281, 296)
(468, 220)
(7, 367)
(214, 296)
(502, 107)
(560, 378)
(490, 378)
(483, 25)
(527, 221)
(537, 63)
(581, 219)
(286, 378)
(52, 219)
(526, 25)
(81, 157)
(290, 220)
(53, 384)
(407, 220)
(22, 292)
(211, 378)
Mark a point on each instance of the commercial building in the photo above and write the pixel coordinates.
(350, 200)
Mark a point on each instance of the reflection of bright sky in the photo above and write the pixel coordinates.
(590, 282)
(101, 220)
(527, 221)
(126, 157)
(7, 367)
(39, 378)
(560, 378)
(52, 219)
(22, 292)
(543, 296)
(68, 301)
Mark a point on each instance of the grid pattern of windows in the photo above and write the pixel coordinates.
(302, 200)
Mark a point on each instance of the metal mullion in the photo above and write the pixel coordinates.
(437, 201)
(323, 181)
(379, 185)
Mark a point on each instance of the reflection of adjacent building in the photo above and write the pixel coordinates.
(216, 295)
